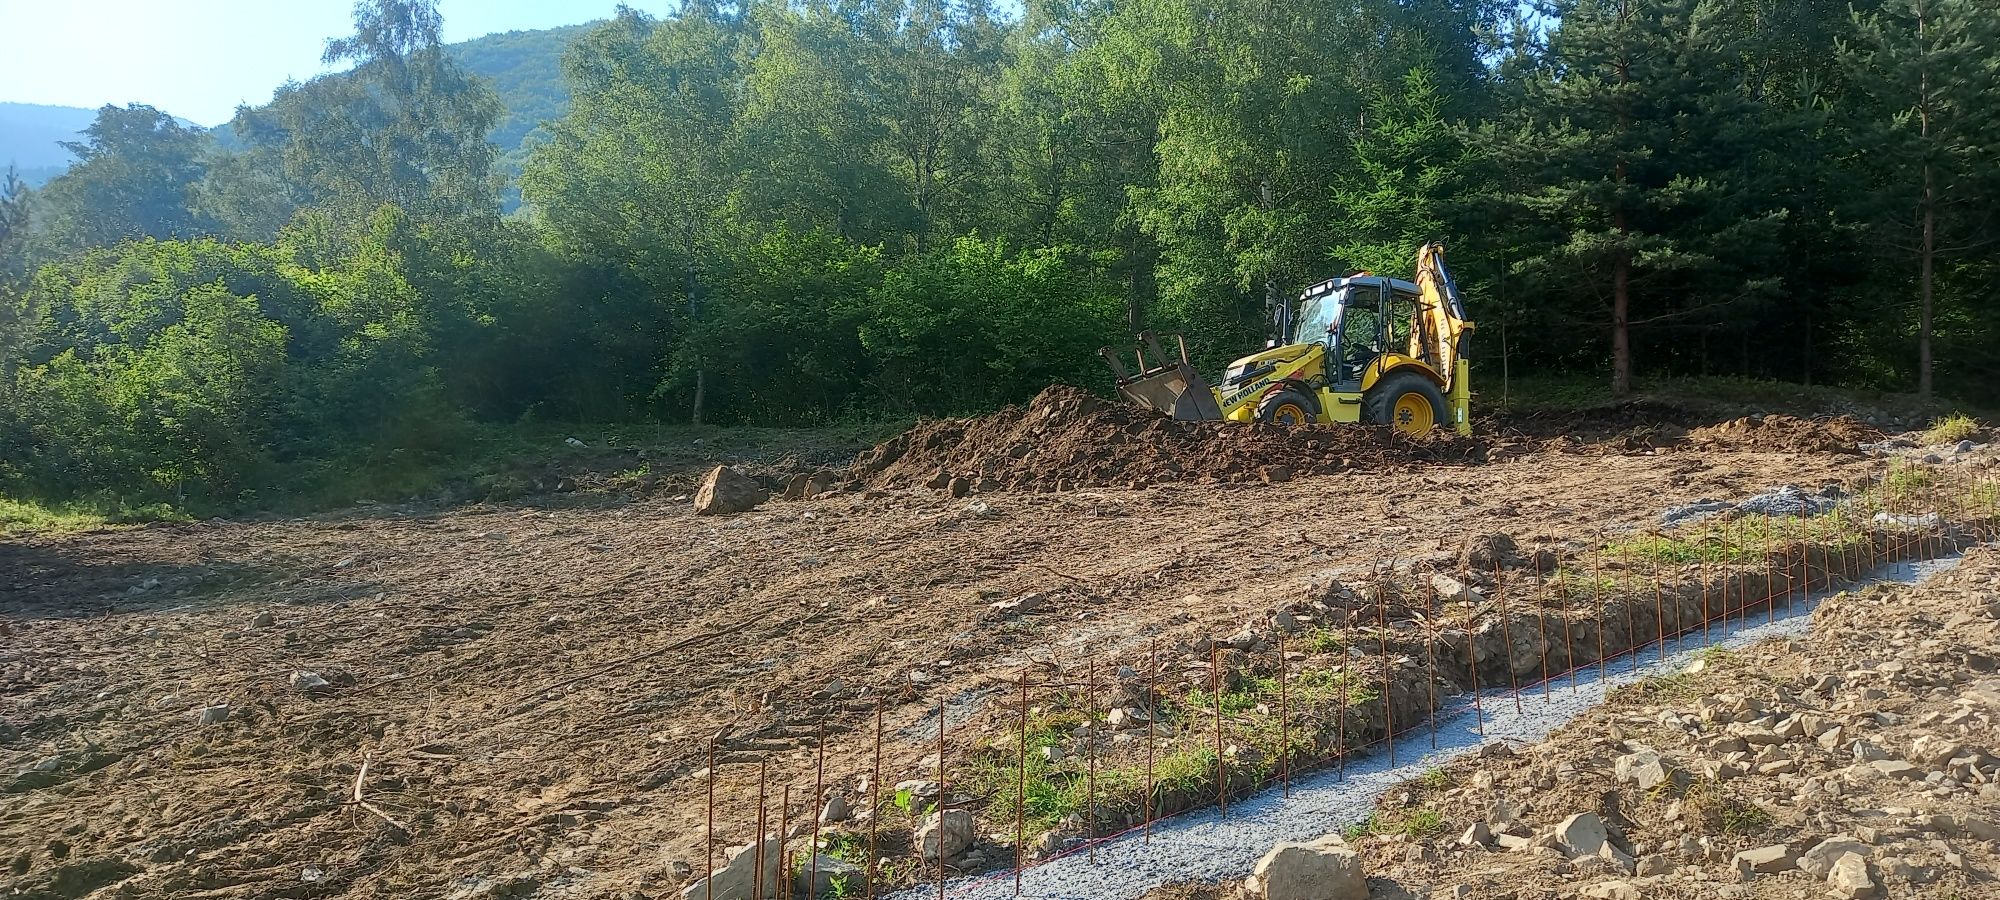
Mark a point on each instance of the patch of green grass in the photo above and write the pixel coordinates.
(1951, 429)
(1907, 479)
(1324, 640)
(22, 517)
(1359, 830)
(847, 846)
(1434, 780)
(1423, 823)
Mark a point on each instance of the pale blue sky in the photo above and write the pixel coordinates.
(198, 59)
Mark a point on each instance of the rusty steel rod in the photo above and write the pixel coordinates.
(1472, 663)
(708, 842)
(1021, 790)
(1506, 638)
(1631, 619)
(757, 877)
(784, 888)
(1569, 637)
(1597, 591)
(1388, 706)
(1542, 622)
(875, 802)
(1284, 721)
(1215, 690)
(944, 799)
(1431, 662)
(1152, 723)
(1346, 676)
(819, 799)
(1090, 754)
(1660, 597)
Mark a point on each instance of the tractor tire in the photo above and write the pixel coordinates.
(1286, 408)
(1405, 401)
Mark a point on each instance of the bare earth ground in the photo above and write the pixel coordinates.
(533, 689)
(1875, 734)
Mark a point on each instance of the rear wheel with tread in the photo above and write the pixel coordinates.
(1405, 401)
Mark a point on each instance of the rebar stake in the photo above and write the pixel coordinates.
(1215, 690)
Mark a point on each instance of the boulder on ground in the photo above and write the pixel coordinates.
(827, 876)
(738, 877)
(1582, 834)
(945, 834)
(1323, 870)
(726, 491)
(1486, 552)
(1818, 861)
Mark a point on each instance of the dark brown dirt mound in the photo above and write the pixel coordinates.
(1066, 438)
(1786, 434)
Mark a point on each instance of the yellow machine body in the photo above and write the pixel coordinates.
(1359, 349)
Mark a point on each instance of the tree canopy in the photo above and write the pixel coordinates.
(812, 211)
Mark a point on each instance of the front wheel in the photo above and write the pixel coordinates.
(1285, 408)
(1407, 402)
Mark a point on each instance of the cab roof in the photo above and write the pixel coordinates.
(1331, 285)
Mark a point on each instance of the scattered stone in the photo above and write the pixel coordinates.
(1476, 836)
(726, 491)
(945, 834)
(1322, 870)
(308, 682)
(214, 715)
(1848, 878)
(737, 877)
(264, 620)
(828, 876)
(1582, 834)
(835, 810)
(1644, 768)
(1818, 861)
(1022, 605)
(1766, 860)
(1896, 768)
(1450, 589)
(1614, 890)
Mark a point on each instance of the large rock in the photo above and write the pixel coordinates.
(1582, 834)
(1644, 768)
(726, 491)
(1818, 861)
(827, 876)
(1322, 870)
(1452, 590)
(1487, 552)
(1766, 860)
(1848, 878)
(945, 834)
(738, 877)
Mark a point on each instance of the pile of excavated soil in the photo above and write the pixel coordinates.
(1066, 438)
(1787, 434)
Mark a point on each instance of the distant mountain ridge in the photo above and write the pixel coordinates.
(524, 68)
(31, 136)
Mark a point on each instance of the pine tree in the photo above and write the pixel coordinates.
(1625, 171)
(1925, 73)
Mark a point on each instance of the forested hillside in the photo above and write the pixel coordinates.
(31, 136)
(774, 212)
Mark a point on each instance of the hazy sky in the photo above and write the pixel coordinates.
(197, 59)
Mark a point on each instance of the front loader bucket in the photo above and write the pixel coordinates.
(1169, 387)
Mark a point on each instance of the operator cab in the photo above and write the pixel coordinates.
(1357, 319)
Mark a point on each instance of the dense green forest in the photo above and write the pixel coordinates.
(812, 211)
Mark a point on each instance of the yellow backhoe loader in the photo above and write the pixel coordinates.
(1365, 348)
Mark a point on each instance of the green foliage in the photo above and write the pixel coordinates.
(786, 213)
(1951, 429)
(135, 168)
